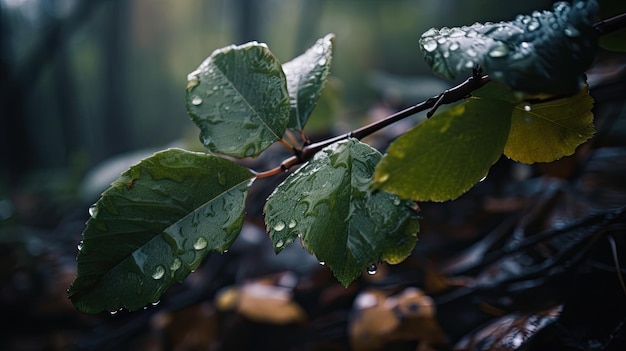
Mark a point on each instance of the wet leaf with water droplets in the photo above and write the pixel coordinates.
(328, 203)
(152, 234)
(239, 91)
(306, 76)
(546, 52)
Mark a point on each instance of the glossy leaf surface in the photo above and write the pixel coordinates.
(444, 156)
(547, 131)
(306, 76)
(328, 204)
(545, 52)
(154, 225)
(238, 98)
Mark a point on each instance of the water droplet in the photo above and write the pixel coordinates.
(371, 270)
(279, 244)
(482, 179)
(80, 246)
(279, 226)
(533, 25)
(471, 53)
(454, 46)
(158, 273)
(93, 210)
(322, 263)
(431, 32)
(441, 40)
(196, 100)
(469, 64)
(383, 177)
(456, 32)
(429, 45)
(113, 313)
(215, 87)
(176, 263)
(571, 31)
(527, 108)
(292, 224)
(499, 51)
(200, 243)
(322, 61)
(396, 201)
(156, 302)
(225, 251)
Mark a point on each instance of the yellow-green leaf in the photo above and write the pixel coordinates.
(443, 157)
(547, 131)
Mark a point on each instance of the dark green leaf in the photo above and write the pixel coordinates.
(306, 75)
(546, 52)
(328, 204)
(547, 131)
(443, 157)
(154, 225)
(238, 97)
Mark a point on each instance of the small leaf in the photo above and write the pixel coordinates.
(238, 98)
(154, 225)
(547, 131)
(328, 204)
(306, 76)
(546, 52)
(443, 157)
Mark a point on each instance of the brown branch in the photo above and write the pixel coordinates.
(451, 95)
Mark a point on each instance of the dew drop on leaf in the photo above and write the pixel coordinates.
(430, 45)
(322, 61)
(93, 210)
(292, 223)
(527, 108)
(280, 244)
(159, 272)
(80, 245)
(200, 243)
(322, 263)
(371, 270)
(499, 51)
(571, 31)
(176, 263)
(196, 100)
(278, 227)
(533, 25)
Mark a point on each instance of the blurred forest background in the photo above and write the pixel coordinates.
(101, 82)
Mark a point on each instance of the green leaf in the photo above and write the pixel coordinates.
(154, 225)
(443, 157)
(238, 97)
(546, 52)
(328, 204)
(306, 76)
(547, 131)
